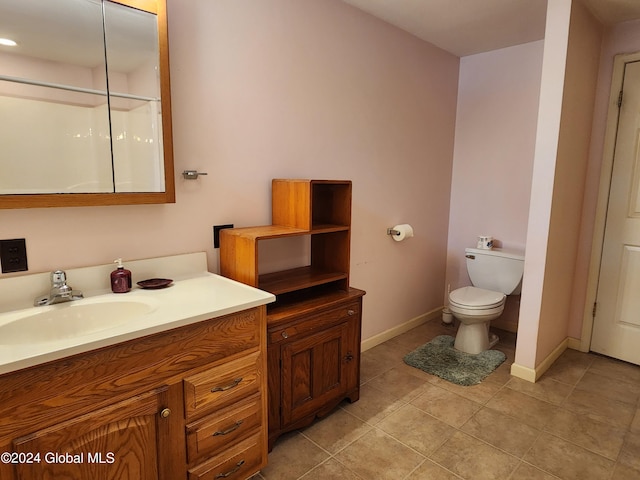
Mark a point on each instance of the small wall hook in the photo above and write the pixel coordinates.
(192, 174)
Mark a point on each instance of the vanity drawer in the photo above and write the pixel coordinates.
(221, 385)
(235, 463)
(223, 428)
(315, 323)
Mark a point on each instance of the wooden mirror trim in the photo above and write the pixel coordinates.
(46, 200)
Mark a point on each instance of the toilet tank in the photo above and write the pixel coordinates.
(498, 270)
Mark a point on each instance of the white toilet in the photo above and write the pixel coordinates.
(495, 274)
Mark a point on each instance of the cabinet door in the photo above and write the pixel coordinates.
(314, 371)
(120, 442)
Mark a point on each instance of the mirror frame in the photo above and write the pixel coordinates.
(46, 200)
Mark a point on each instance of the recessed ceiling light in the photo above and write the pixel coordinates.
(7, 42)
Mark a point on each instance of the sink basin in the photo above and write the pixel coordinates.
(72, 319)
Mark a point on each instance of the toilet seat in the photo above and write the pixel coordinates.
(476, 299)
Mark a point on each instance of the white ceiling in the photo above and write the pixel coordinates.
(467, 27)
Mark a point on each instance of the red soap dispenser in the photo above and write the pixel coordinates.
(120, 278)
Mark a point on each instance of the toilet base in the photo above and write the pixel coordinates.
(474, 338)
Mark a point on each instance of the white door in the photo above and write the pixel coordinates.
(616, 328)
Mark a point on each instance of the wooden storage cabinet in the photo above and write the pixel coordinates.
(313, 360)
(313, 352)
(184, 404)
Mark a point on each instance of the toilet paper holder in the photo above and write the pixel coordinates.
(400, 232)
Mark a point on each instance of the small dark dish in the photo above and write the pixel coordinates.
(155, 283)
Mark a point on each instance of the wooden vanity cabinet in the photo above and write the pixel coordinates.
(128, 440)
(314, 325)
(189, 403)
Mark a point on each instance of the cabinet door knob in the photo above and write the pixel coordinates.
(351, 312)
(349, 357)
(165, 412)
(285, 334)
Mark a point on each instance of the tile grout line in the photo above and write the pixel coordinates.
(408, 398)
(484, 404)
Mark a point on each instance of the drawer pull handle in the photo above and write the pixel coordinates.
(285, 334)
(232, 471)
(351, 312)
(228, 430)
(227, 387)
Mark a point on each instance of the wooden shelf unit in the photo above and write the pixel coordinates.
(320, 209)
(313, 328)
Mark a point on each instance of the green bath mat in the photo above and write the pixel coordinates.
(438, 357)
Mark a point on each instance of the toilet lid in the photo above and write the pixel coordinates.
(476, 297)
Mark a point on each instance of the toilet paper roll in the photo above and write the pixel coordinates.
(406, 231)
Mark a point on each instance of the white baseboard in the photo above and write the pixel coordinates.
(400, 329)
(533, 374)
(576, 344)
(525, 373)
(520, 371)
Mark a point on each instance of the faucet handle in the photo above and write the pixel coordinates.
(59, 283)
(58, 278)
(60, 291)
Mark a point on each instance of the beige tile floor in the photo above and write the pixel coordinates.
(581, 420)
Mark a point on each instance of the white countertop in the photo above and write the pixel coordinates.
(186, 301)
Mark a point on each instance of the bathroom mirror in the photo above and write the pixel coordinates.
(85, 111)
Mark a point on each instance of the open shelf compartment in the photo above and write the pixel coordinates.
(308, 204)
(298, 278)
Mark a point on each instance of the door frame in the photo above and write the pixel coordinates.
(606, 171)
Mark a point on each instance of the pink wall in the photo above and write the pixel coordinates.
(547, 133)
(572, 47)
(621, 38)
(493, 154)
(585, 39)
(289, 88)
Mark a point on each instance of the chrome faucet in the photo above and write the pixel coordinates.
(60, 291)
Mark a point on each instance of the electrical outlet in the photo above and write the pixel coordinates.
(13, 255)
(216, 233)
